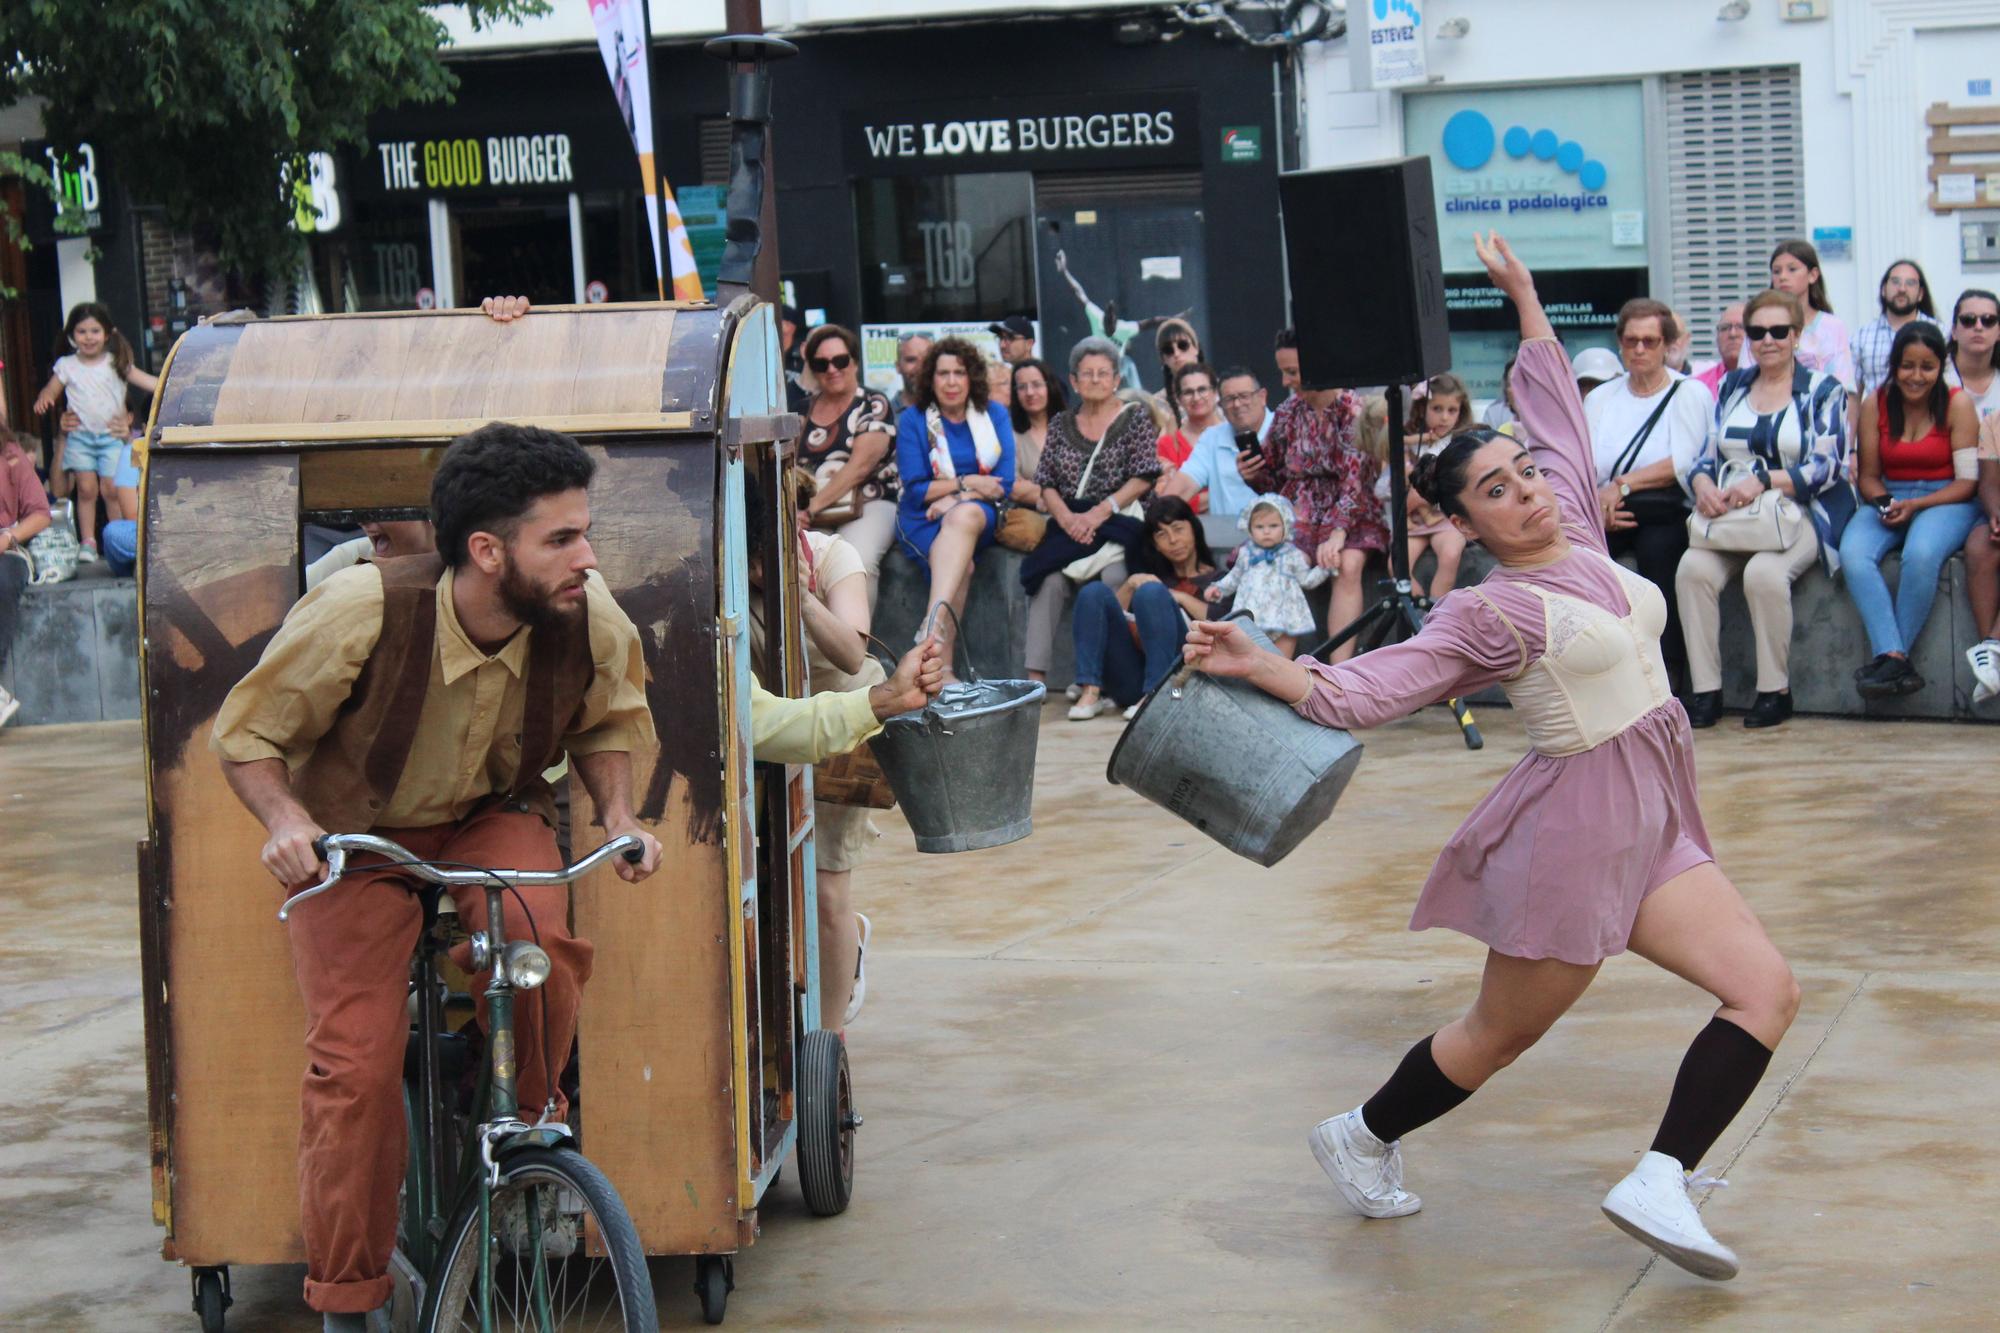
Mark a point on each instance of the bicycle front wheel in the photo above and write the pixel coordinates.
(552, 1207)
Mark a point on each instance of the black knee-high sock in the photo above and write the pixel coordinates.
(1416, 1094)
(1718, 1074)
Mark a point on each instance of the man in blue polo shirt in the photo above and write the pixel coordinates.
(1230, 477)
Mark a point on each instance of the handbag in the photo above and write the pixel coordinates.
(1021, 528)
(1651, 506)
(855, 778)
(1771, 522)
(1087, 567)
(53, 552)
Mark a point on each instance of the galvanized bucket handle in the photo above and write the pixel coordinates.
(957, 637)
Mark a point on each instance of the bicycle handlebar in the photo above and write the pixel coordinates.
(334, 848)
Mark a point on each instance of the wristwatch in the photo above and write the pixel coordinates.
(1624, 490)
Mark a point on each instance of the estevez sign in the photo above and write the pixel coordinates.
(1020, 134)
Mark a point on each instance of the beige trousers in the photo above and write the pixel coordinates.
(871, 535)
(1767, 587)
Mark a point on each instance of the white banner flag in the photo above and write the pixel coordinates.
(1396, 43)
(622, 37)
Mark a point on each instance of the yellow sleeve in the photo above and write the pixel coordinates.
(805, 731)
(290, 698)
(615, 713)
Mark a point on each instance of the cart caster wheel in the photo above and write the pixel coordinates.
(211, 1297)
(714, 1279)
(826, 1124)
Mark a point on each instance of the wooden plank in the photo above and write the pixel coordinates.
(1949, 144)
(396, 431)
(367, 478)
(1979, 170)
(1940, 207)
(655, 1038)
(270, 376)
(1942, 113)
(220, 571)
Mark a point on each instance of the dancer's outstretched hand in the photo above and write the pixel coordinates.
(1509, 274)
(1220, 648)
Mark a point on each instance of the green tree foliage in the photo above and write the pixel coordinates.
(206, 107)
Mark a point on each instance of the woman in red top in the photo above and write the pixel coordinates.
(1917, 471)
(24, 511)
(1194, 388)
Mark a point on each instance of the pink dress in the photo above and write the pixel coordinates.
(1556, 860)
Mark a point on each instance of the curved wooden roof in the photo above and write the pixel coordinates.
(329, 379)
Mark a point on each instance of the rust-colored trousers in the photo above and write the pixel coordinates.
(351, 948)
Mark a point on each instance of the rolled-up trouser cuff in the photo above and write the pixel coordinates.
(349, 1297)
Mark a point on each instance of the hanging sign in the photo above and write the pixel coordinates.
(1396, 43)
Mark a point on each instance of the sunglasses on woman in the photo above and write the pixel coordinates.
(1180, 345)
(838, 361)
(1978, 321)
(1756, 333)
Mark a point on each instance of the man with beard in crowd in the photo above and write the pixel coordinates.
(1904, 295)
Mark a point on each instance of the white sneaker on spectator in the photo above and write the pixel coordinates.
(1653, 1205)
(9, 706)
(1130, 713)
(1082, 712)
(87, 555)
(860, 991)
(1367, 1171)
(1985, 659)
(1073, 692)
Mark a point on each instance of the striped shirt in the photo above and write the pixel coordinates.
(1870, 346)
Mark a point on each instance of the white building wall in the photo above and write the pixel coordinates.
(1866, 74)
(568, 21)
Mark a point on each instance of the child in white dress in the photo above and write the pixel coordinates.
(1271, 575)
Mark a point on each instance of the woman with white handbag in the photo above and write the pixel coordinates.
(1770, 497)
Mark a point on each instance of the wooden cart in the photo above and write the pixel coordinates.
(701, 1014)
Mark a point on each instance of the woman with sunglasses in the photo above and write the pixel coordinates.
(845, 444)
(1822, 341)
(1177, 347)
(1974, 365)
(1784, 426)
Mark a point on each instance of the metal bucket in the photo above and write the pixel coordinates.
(963, 766)
(1234, 762)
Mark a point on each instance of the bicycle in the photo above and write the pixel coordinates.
(505, 1225)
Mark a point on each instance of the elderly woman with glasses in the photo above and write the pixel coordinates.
(1099, 457)
(845, 444)
(1782, 427)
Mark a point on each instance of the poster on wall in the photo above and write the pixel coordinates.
(1396, 43)
(878, 348)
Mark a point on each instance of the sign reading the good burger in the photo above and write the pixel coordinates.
(1115, 129)
(493, 161)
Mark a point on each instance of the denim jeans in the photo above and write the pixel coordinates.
(119, 544)
(1105, 654)
(1928, 540)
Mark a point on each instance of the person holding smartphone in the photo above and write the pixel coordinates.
(1227, 460)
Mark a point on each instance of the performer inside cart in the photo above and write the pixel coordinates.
(1593, 844)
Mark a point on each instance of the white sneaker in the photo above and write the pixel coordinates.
(9, 706)
(1130, 713)
(1072, 692)
(860, 991)
(1985, 659)
(1367, 1171)
(1085, 712)
(1654, 1207)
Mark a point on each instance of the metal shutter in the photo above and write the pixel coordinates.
(714, 148)
(1086, 189)
(1735, 185)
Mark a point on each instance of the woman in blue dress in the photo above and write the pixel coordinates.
(955, 454)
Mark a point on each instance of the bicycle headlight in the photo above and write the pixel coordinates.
(527, 965)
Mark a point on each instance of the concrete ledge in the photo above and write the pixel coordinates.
(76, 654)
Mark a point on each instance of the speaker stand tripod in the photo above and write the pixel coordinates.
(1396, 616)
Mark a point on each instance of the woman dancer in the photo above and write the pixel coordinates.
(1592, 845)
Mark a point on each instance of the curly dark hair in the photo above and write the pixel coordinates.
(492, 476)
(968, 356)
(1440, 477)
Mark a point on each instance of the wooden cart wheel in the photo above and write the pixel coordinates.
(211, 1298)
(714, 1279)
(826, 1123)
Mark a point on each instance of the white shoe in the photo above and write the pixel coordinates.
(1130, 713)
(860, 991)
(1985, 659)
(1654, 1207)
(1085, 712)
(1367, 1171)
(9, 706)
(1072, 692)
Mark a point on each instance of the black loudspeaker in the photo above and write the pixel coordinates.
(1367, 285)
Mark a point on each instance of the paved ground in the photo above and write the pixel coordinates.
(1089, 1061)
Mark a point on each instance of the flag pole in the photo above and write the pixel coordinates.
(664, 262)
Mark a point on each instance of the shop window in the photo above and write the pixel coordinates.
(520, 248)
(382, 263)
(945, 248)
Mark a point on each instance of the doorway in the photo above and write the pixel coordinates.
(523, 249)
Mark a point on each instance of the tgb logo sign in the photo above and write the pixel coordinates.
(78, 193)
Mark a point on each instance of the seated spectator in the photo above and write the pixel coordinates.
(1640, 423)
(844, 443)
(1728, 346)
(120, 536)
(378, 540)
(1000, 381)
(1128, 640)
(1917, 472)
(1903, 294)
(1595, 366)
(1038, 396)
(1982, 567)
(1099, 458)
(24, 511)
(1271, 576)
(1194, 390)
(1975, 349)
(833, 601)
(1016, 335)
(1285, 354)
(955, 457)
(1316, 462)
(1227, 459)
(1823, 344)
(911, 349)
(1788, 426)
(1444, 411)
(1177, 345)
